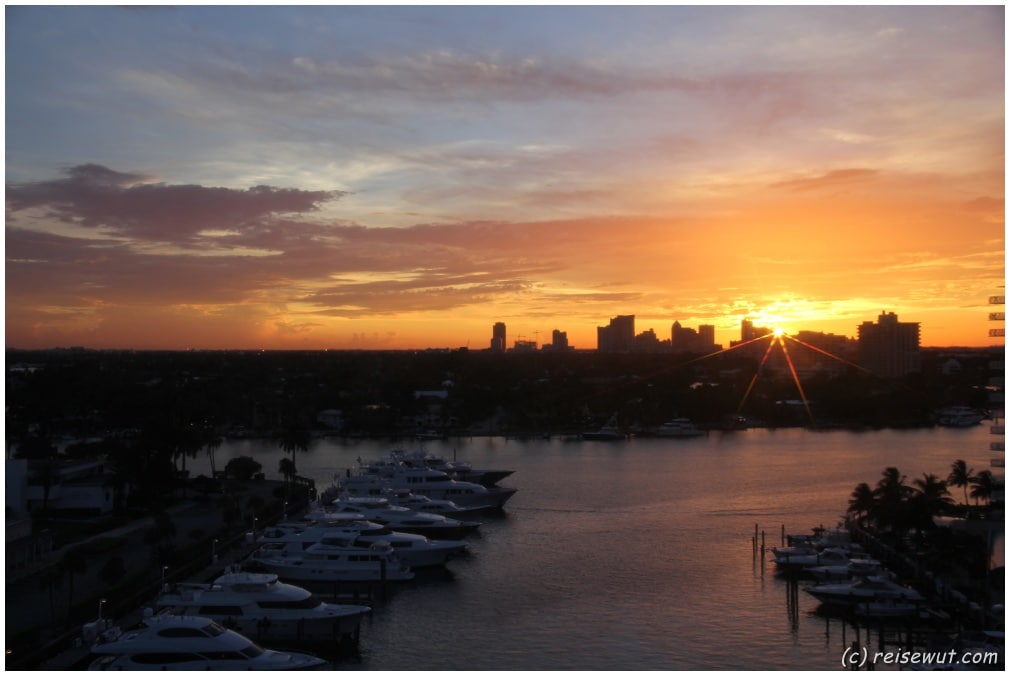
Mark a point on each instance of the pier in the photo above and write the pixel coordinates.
(947, 609)
(37, 639)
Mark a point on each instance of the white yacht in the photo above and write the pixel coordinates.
(796, 561)
(461, 471)
(400, 518)
(678, 428)
(332, 563)
(426, 505)
(856, 567)
(959, 416)
(432, 483)
(609, 432)
(261, 606)
(171, 642)
(864, 590)
(416, 551)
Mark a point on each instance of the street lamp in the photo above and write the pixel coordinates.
(164, 569)
(213, 551)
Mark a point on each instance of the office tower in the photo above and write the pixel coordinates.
(618, 336)
(559, 340)
(889, 348)
(749, 332)
(688, 340)
(498, 337)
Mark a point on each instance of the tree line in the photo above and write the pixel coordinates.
(898, 507)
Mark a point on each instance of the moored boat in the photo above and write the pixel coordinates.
(610, 431)
(190, 643)
(863, 590)
(678, 428)
(416, 551)
(261, 606)
(432, 483)
(333, 563)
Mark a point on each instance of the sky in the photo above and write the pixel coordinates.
(373, 177)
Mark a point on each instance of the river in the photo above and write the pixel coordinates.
(631, 555)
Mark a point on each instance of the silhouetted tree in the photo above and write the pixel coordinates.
(51, 580)
(242, 468)
(960, 475)
(294, 437)
(73, 563)
(931, 498)
(982, 486)
(891, 494)
(211, 442)
(286, 466)
(862, 502)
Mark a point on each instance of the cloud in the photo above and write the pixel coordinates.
(828, 180)
(130, 205)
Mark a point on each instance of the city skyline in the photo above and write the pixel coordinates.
(405, 177)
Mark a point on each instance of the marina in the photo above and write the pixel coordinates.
(634, 555)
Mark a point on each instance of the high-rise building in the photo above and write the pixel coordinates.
(498, 337)
(559, 340)
(889, 348)
(618, 336)
(688, 340)
(749, 332)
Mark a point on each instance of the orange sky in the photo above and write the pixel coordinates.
(372, 185)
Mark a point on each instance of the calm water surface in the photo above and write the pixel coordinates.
(631, 555)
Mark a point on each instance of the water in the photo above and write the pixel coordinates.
(632, 555)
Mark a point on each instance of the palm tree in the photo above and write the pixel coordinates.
(286, 466)
(211, 442)
(862, 502)
(74, 562)
(930, 499)
(50, 580)
(891, 494)
(982, 486)
(960, 475)
(294, 437)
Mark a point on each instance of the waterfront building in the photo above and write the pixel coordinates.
(889, 348)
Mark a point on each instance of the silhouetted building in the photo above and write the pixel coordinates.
(647, 342)
(688, 340)
(822, 353)
(749, 332)
(498, 337)
(889, 348)
(619, 336)
(559, 342)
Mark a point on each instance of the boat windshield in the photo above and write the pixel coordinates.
(214, 629)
